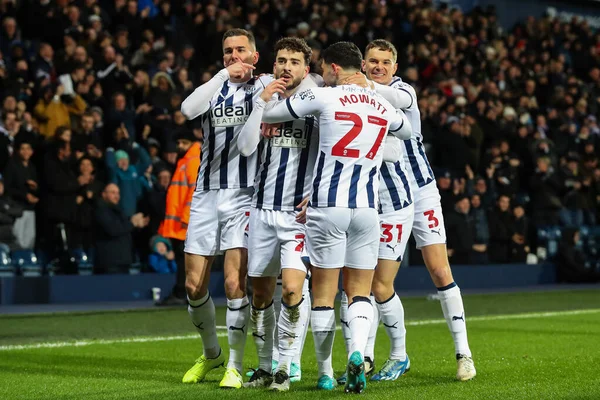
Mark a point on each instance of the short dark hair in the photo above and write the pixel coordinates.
(344, 54)
(294, 44)
(382, 44)
(240, 32)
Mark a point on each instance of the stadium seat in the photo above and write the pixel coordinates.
(7, 269)
(84, 264)
(27, 262)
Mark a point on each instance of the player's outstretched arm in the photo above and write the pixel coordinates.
(307, 102)
(400, 126)
(400, 97)
(249, 137)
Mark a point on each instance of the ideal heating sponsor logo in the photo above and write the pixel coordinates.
(227, 116)
(295, 136)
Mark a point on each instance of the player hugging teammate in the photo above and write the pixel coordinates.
(348, 160)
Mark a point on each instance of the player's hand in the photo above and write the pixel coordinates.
(239, 69)
(269, 130)
(359, 79)
(277, 86)
(301, 217)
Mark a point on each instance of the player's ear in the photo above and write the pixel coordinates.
(306, 71)
(395, 69)
(364, 65)
(255, 58)
(274, 71)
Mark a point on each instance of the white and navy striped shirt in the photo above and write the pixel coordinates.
(417, 164)
(221, 164)
(353, 122)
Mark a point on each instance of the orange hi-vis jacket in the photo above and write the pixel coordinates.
(179, 195)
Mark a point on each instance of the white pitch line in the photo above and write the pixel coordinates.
(148, 339)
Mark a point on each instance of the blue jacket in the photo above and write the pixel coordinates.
(161, 265)
(132, 183)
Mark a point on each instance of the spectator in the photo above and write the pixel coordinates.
(519, 247)
(62, 186)
(9, 212)
(22, 186)
(54, 109)
(570, 260)
(481, 232)
(162, 258)
(501, 231)
(130, 179)
(460, 229)
(87, 196)
(545, 192)
(113, 252)
(457, 142)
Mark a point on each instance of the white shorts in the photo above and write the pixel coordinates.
(395, 232)
(338, 237)
(275, 241)
(218, 221)
(428, 227)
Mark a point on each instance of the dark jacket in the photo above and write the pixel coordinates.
(113, 238)
(481, 231)
(62, 187)
(501, 231)
(460, 237)
(15, 182)
(9, 212)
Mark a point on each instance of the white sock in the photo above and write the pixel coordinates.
(306, 304)
(370, 349)
(344, 322)
(392, 316)
(454, 312)
(263, 329)
(322, 320)
(202, 314)
(277, 304)
(237, 318)
(292, 321)
(360, 316)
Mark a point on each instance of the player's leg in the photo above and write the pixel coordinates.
(263, 268)
(326, 246)
(395, 231)
(293, 316)
(296, 369)
(430, 236)
(201, 239)
(361, 257)
(234, 210)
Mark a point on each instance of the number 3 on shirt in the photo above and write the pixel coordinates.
(340, 148)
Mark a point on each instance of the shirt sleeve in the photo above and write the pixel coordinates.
(400, 125)
(307, 102)
(249, 137)
(198, 102)
(400, 95)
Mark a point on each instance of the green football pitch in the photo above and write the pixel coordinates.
(543, 345)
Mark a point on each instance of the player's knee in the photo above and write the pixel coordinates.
(440, 273)
(232, 287)
(193, 289)
(381, 290)
(261, 296)
(292, 292)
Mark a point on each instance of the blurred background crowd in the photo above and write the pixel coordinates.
(90, 94)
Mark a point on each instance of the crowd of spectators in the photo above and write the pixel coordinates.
(90, 94)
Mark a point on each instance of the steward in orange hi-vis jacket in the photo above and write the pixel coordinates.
(179, 200)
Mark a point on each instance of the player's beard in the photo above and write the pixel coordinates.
(292, 81)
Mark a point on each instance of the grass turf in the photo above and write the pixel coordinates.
(538, 356)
